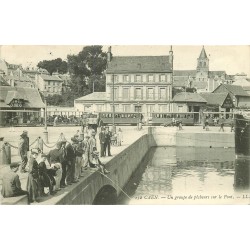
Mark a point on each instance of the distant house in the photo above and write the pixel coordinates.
(16, 78)
(49, 85)
(217, 102)
(94, 102)
(240, 97)
(22, 104)
(189, 102)
(244, 83)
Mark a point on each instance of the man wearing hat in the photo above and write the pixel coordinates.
(107, 144)
(27, 139)
(11, 185)
(23, 152)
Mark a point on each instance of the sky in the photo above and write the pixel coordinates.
(232, 59)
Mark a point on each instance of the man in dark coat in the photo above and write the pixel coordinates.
(102, 141)
(23, 152)
(108, 136)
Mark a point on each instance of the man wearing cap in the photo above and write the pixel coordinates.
(11, 185)
(23, 152)
(86, 151)
(55, 159)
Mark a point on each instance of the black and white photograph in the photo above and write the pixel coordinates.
(124, 124)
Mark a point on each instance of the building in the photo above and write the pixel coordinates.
(244, 83)
(49, 85)
(241, 99)
(137, 84)
(218, 102)
(202, 79)
(23, 105)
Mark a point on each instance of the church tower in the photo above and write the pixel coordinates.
(202, 66)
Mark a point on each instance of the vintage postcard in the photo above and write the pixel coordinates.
(106, 125)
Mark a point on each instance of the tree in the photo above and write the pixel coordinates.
(55, 65)
(87, 68)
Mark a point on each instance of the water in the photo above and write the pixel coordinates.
(188, 175)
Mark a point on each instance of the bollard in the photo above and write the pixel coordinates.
(5, 154)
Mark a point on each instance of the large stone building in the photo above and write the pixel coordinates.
(203, 79)
(138, 84)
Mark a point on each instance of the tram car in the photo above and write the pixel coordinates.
(170, 119)
(216, 118)
(121, 118)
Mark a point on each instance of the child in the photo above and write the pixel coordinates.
(96, 163)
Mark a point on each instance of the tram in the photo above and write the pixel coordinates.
(120, 118)
(168, 119)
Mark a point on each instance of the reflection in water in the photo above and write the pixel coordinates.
(187, 170)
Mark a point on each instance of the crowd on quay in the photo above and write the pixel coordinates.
(61, 166)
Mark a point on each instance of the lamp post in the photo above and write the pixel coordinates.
(114, 128)
(45, 132)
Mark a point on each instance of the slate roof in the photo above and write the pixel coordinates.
(31, 95)
(233, 89)
(139, 64)
(189, 97)
(214, 98)
(96, 96)
(51, 78)
(185, 73)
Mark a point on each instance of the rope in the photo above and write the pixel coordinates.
(115, 184)
(33, 142)
(11, 145)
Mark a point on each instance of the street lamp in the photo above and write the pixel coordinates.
(114, 128)
(45, 132)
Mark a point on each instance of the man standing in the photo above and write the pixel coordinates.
(108, 136)
(70, 161)
(102, 141)
(23, 151)
(27, 139)
(11, 185)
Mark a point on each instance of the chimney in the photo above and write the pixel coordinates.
(109, 55)
(171, 57)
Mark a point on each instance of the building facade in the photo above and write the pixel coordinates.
(135, 84)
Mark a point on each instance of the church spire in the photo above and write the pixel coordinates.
(203, 54)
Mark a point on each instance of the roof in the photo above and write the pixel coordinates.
(185, 73)
(203, 54)
(31, 95)
(233, 89)
(214, 98)
(2, 81)
(200, 85)
(242, 82)
(214, 73)
(18, 78)
(51, 78)
(96, 96)
(188, 97)
(139, 64)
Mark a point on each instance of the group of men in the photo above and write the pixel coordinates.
(65, 164)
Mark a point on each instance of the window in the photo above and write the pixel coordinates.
(162, 78)
(163, 94)
(115, 92)
(99, 107)
(168, 77)
(115, 78)
(163, 108)
(150, 78)
(125, 93)
(138, 93)
(126, 108)
(180, 108)
(116, 108)
(126, 78)
(138, 78)
(150, 93)
(150, 109)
